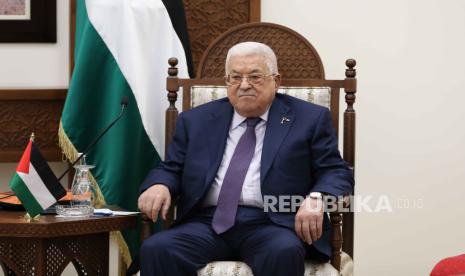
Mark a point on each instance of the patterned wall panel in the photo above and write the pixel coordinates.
(207, 19)
(20, 117)
(297, 59)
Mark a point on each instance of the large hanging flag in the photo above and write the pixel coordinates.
(34, 183)
(122, 49)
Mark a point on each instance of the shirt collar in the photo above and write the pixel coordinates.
(239, 119)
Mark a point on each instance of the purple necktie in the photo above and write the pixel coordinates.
(228, 199)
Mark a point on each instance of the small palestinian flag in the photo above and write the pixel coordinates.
(34, 182)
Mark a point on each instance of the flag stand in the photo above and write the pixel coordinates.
(28, 217)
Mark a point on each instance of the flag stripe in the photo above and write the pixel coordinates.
(23, 165)
(46, 175)
(37, 187)
(178, 20)
(142, 55)
(27, 199)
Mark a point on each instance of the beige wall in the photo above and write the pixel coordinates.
(410, 134)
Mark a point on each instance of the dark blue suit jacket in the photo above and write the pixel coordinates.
(299, 156)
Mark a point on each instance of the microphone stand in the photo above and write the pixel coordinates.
(124, 104)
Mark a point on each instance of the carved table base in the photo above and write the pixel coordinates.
(46, 246)
(50, 256)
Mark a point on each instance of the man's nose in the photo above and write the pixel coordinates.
(245, 83)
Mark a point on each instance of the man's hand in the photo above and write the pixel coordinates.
(155, 199)
(309, 220)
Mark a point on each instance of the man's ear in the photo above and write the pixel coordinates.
(277, 81)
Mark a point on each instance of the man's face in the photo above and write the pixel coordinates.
(248, 99)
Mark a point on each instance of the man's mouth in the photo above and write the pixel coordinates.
(246, 95)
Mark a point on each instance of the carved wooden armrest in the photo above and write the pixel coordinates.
(146, 227)
(336, 234)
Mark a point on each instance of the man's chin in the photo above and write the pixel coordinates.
(248, 110)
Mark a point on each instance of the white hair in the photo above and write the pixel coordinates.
(254, 48)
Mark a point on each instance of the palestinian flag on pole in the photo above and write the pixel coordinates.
(34, 183)
(122, 49)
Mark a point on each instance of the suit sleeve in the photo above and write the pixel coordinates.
(330, 172)
(169, 172)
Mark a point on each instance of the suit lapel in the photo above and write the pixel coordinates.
(279, 122)
(219, 123)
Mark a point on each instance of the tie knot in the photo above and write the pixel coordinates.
(252, 122)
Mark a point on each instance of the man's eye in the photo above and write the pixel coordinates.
(236, 78)
(254, 77)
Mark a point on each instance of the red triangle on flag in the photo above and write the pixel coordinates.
(24, 163)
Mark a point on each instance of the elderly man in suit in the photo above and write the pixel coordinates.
(228, 158)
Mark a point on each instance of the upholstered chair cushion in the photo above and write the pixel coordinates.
(311, 269)
(316, 95)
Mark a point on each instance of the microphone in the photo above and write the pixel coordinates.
(124, 103)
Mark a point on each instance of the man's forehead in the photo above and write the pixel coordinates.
(252, 62)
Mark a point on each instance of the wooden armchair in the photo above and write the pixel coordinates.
(303, 77)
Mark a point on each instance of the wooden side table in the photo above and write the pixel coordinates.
(46, 246)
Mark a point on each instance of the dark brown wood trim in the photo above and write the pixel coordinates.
(255, 11)
(32, 94)
(191, 82)
(13, 155)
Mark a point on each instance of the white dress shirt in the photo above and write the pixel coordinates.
(251, 192)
